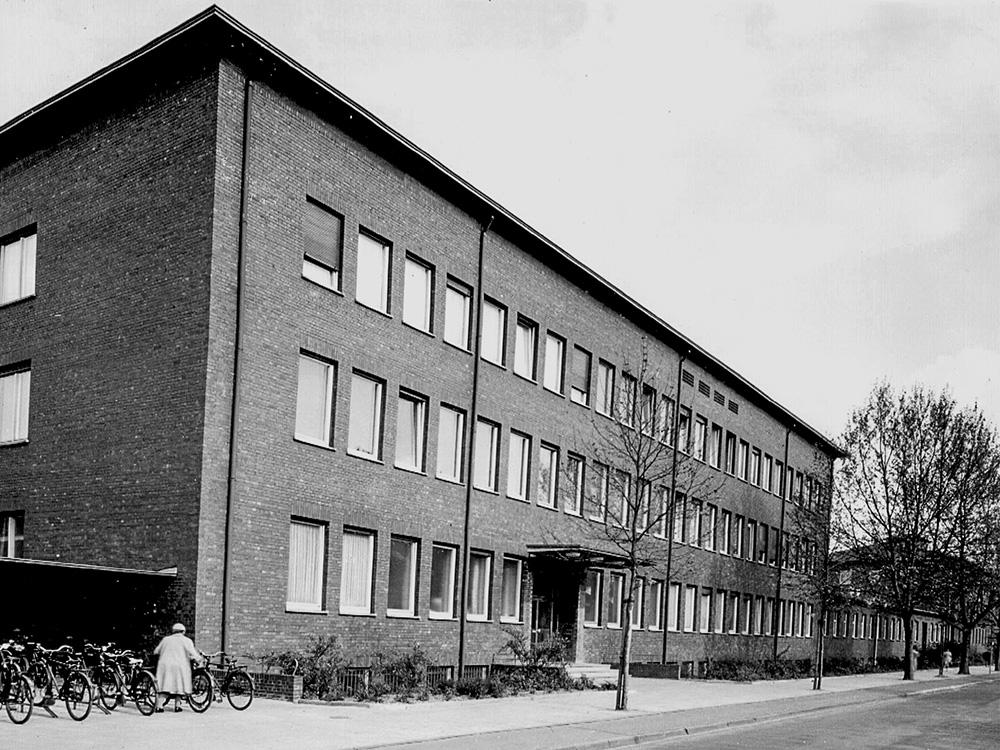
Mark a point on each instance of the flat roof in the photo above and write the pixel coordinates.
(215, 28)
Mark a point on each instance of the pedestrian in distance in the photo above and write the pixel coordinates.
(173, 668)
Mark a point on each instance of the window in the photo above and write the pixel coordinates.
(644, 492)
(626, 399)
(525, 347)
(746, 620)
(306, 564)
(762, 532)
(768, 473)
(760, 624)
(798, 488)
(356, 573)
(11, 535)
(755, 467)
(715, 447)
(809, 621)
(690, 602)
(636, 615)
(673, 611)
(579, 387)
(599, 492)
(665, 419)
(700, 427)
(786, 490)
(779, 484)
(402, 578)
(322, 240)
(411, 428)
(750, 540)
(615, 587)
(510, 590)
(733, 614)
(451, 444)
(555, 356)
(679, 504)
(684, 429)
(457, 313)
(442, 582)
(573, 497)
(736, 538)
(478, 600)
(693, 533)
(518, 454)
(548, 472)
(605, 388)
(623, 489)
(314, 400)
(592, 598)
(487, 455)
(17, 268)
(705, 612)
(15, 391)
(656, 605)
(647, 411)
(493, 341)
(730, 453)
(373, 272)
(720, 612)
(662, 513)
(743, 460)
(725, 537)
(365, 431)
(418, 294)
(711, 521)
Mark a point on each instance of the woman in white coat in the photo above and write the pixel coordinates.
(173, 670)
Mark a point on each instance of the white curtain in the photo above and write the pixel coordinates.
(355, 575)
(305, 565)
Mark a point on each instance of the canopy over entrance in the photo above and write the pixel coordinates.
(577, 553)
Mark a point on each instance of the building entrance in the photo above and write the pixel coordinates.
(554, 599)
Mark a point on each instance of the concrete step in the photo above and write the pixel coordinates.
(596, 673)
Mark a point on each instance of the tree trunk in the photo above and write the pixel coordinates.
(820, 652)
(963, 659)
(621, 696)
(908, 665)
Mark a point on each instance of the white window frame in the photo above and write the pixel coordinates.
(690, 608)
(616, 588)
(12, 532)
(451, 444)
(720, 611)
(411, 415)
(637, 615)
(518, 464)
(548, 475)
(518, 567)
(413, 548)
(418, 294)
(17, 267)
(15, 406)
(374, 272)
(601, 477)
(734, 616)
(450, 579)
(493, 333)
(705, 611)
(487, 438)
(700, 436)
(578, 395)
(555, 363)
(327, 397)
(755, 467)
(605, 389)
(673, 607)
(484, 585)
(746, 623)
(525, 348)
(715, 446)
(576, 469)
(315, 601)
(596, 597)
(319, 270)
(366, 607)
(656, 600)
(627, 398)
(457, 314)
(665, 420)
(371, 410)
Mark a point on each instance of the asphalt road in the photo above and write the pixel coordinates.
(966, 719)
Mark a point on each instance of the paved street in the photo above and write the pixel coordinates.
(966, 719)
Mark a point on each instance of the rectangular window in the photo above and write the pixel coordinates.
(576, 473)
(768, 473)
(755, 467)
(548, 475)
(306, 565)
(598, 492)
(322, 240)
(510, 591)
(730, 453)
(374, 262)
(636, 615)
(665, 420)
(525, 348)
(518, 460)
(487, 455)
(673, 610)
(733, 615)
(789, 481)
(693, 522)
(451, 444)
(356, 573)
(798, 487)
(12, 535)
(725, 537)
(715, 447)
(809, 621)
(555, 362)
(17, 268)
(411, 429)
(477, 604)
(615, 586)
(746, 615)
(592, 598)
(768, 615)
(365, 430)
(579, 386)
(605, 388)
(457, 313)
(659, 522)
(690, 604)
(720, 611)
(647, 411)
(779, 479)
(493, 340)
(656, 605)
(684, 429)
(314, 400)
(705, 611)
(418, 294)
(627, 399)
(700, 428)
(736, 538)
(623, 490)
(743, 460)
(680, 503)
(772, 548)
(709, 532)
(644, 492)
(443, 582)
(750, 541)
(762, 535)
(402, 595)
(15, 397)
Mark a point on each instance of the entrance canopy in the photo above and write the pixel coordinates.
(577, 553)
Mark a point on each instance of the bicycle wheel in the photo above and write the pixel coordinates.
(238, 688)
(108, 687)
(201, 690)
(78, 693)
(41, 679)
(144, 693)
(20, 699)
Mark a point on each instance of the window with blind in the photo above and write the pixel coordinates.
(314, 400)
(322, 240)
(411, 427)
(457, 313)
(15, 392)
(306, 565)
(510, 590)
(478, 599)
(443, 582)
(402, 594)
(518, 458)
(356, 572)
(451, 444)
(418, 294)
(555, 355)
(579, 387)
(373, 272)
(365, 429)
(17, 267)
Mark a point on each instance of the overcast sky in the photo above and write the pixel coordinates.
(812, 193)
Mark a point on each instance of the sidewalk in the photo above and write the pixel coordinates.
(658, 708)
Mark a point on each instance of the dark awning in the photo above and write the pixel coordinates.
(28, 563)
(578, 553)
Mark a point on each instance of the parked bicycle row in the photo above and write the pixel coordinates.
(32, 675)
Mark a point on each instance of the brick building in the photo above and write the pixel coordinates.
(265, 360)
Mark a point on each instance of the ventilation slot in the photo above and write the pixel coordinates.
(734, 407)
(720, 399)
(687, 377)
(703, 388)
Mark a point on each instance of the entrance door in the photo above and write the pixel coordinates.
(555, 593)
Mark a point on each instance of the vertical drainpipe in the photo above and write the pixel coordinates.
(470, 459)
(248, 92)
(673, 507)
(775, 611)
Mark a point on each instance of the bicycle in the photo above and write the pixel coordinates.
(120, 677)
(59, 674)
(16, 690)
(236, 684)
